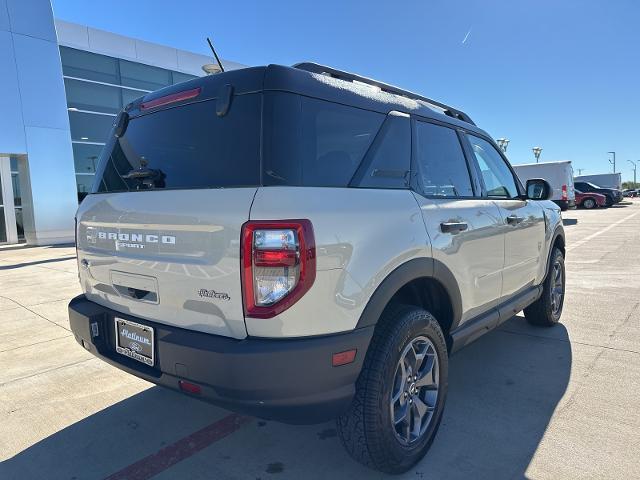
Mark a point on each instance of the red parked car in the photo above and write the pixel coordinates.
(590, 200)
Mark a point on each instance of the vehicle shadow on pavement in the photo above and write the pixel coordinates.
(36, 262)
(503, 391)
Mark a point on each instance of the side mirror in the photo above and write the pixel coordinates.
(538, 189)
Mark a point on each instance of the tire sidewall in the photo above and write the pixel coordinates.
(425, 325)
(588, 203)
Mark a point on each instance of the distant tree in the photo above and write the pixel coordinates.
(630, 185)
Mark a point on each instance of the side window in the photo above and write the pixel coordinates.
(442, 167)
(388, 161)
(497, 177)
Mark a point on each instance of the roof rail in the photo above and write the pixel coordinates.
(352, 77)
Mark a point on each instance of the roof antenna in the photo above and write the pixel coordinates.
(215, 54)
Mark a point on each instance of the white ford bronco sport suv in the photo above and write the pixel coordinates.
(302, 244)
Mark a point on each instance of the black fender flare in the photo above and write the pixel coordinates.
(405, 273)
(558, 232)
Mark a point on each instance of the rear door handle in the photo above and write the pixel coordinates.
(453, 227)
(514, 219)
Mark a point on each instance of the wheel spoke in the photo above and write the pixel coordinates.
(421, 407)
(400, 414)
(428, 377)
(412, 359)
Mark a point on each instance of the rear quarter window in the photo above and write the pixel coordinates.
(186, 147)
(311, 142)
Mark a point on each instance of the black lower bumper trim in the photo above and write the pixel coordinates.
(289, 380)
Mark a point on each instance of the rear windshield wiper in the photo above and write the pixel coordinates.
(142, 172)
(148, 177)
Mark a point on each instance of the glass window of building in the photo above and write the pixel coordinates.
(89, 127)
(86, 157)
(3, 226)
(92, 96)
(129, 96)
(84, 183)
(142, 76)
(181, 77)
(80, 64)
(17, 197)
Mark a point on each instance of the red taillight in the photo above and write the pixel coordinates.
(278, 265)
(172, 98)
(275, 258)
(564, 192)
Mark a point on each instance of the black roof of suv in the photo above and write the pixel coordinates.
(273, 121)
(316, 81)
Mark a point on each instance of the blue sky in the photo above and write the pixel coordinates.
(563, 75)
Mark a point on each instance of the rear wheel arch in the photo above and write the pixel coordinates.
(422, 282)
(557, 241)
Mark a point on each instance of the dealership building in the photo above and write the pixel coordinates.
(61, 87)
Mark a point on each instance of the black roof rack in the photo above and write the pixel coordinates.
(351, 77)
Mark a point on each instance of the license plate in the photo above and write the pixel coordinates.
(134, 341)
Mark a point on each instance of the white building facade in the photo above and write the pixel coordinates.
(61, 87)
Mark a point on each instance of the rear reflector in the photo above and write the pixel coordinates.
(174, 97)
(343, 358)
(190, 387)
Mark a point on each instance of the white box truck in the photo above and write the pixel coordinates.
(559, 175)
(605, 180)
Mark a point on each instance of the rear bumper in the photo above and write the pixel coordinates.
(565, 204)
(289, 380)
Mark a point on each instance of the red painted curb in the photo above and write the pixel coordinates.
(180, 450)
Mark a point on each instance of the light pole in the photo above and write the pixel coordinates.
(635, 167)
(503, 143)
(537, 151)
(580, 170)
(614, 161)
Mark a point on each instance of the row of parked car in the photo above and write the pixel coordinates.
(587, 191)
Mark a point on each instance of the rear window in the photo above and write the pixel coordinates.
(311, 142)
(186, 147)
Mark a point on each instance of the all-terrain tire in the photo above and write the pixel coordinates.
(366, 429)
(545, 311)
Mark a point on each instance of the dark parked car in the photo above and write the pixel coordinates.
(629, 192)
(613, 194)
(590, 200)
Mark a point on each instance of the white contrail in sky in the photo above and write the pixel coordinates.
(466, 37)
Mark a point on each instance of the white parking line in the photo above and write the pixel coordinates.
(600, 232)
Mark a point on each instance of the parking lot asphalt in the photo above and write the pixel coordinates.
(523, 402)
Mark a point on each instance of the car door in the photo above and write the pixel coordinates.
(465, 230)
(523, 220)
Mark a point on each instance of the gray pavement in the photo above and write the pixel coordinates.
(523, 401)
